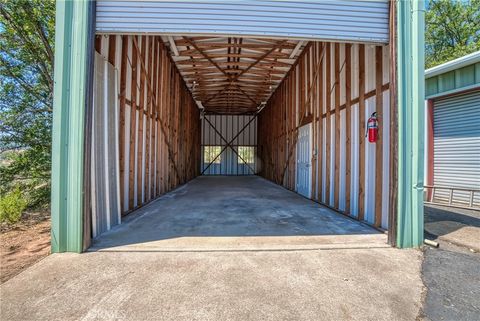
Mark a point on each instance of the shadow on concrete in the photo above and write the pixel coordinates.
(233, 209)
(441, 220)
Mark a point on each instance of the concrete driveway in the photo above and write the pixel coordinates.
(340, 284)
(267, 254)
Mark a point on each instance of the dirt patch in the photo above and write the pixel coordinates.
(23, 244)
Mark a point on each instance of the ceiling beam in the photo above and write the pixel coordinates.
(296, 49)
(262, 57)
(173, 46)
(206, 56)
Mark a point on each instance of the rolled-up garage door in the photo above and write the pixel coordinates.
(362, 21)
(457, 146)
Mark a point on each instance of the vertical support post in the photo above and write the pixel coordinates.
(411, 87)
(73, 22)
(393, 188)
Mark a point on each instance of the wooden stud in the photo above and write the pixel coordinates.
(111, 49)
(121, 131)
(291, 106)
(156, 146)
(152, 87)
(361, 133)
(328, 125)
(299, 123)
(320, 131)
(336, 185)
(98, 43)
(149, 107)
(393, 188)
(348, 127)
(379, 143)
(141, 115)
(314, 158)
(133, 128)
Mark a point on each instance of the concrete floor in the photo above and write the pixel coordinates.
(263, 254)
(235, 213)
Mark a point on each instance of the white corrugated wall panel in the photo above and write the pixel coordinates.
(105, 192)
(238, 130)
(353, 20)
(457, 145)
(369, 167)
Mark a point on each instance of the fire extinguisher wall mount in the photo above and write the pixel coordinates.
(372, 128)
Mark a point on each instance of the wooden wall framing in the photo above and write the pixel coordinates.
(349, 174)
(159, 126)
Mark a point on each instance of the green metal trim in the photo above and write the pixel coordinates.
(454, 91)
(456, 80)
(411, 93)
(72, 22)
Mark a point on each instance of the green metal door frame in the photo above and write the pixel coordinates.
(73, 25)
(411, 93)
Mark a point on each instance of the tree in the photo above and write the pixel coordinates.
(26, 89)
(452, 30)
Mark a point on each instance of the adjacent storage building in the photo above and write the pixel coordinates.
(151, 94)
(453, 132)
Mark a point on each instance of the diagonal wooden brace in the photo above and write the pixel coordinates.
(230, 143)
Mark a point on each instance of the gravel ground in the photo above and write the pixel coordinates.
(23, 244)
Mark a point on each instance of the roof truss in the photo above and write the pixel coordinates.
(233, 75)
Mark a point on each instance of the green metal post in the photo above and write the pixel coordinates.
(72, 25)
(411, 88)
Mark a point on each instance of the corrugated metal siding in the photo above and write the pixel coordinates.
(457, 146)
(453, 81)
(161, 130)
(365, 21)
(105, 191)
(363, 167)
(238, 130)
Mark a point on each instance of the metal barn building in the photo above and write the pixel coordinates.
(150, 95)
(453, 132)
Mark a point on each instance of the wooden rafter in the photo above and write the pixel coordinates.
(229, 74)
(206, 56)
(261, 57)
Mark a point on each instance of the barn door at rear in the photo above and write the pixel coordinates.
(304, 160)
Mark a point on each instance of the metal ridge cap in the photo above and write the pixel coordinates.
(453, 64)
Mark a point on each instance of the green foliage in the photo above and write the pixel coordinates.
(12, 206)
(247, 154)
(26, 88)
(452, 30)
(210, 154)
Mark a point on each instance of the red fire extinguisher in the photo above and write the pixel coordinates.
(372, 128)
